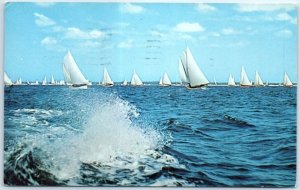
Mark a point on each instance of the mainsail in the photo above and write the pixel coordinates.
(244, 78)
(166, 80)
(66, 75)
(52, 80)
(231, 81)
(125, 82)
(182, 74)
(73, 72)
(106, 78)
(44, 82)
(286, 80)
(7, 80)
(258, 81)
(193, 73)
(135, 80)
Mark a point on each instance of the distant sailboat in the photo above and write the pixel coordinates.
(52, 81)
(106, 78)
(135, 80)
(194, 75)
(286, 81)
(7, 80)
(258, 81)
(244, 78)
(44, 82)
(124, 83)
(19, 81)
(231, 81)
(73, 73)
(165, 80)
(215, 81)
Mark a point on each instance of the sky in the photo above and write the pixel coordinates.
(149, 38)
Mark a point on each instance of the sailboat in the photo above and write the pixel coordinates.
(124, 83)
(19, 81)
(194, 75)
(231, 81)
(7, 80)
(135, 80)
(44, 82)
(215, 82)
(286, 81)
(72, 73)
(244, 78)
(258, 81)
(52, 81)
(165, 80)
(106, 78)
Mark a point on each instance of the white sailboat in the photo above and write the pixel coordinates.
(106, 78)
(135, 80)
(73, 73)
(286, 81)
(7, 80)
(244, 78)
(231, 81)
(19, 81)
(215, 82)
(52, 81)
(44, 82)
(194, 75)
(165, 80)
(258, 81)
(124, 83)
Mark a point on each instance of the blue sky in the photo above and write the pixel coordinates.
(150, 38)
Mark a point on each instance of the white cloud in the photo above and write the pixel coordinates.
(215, 34)
(130, 8)
(90, 44)
(76, 33)
(263, 7)
(126, 44)
(284, 33)
(48, 41)
(229, 31)
(286, 17)
(188, 27)
(42, 20)
(202, 7)
(156, 33)
(44, 4)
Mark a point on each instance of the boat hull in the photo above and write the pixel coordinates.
(78, 86)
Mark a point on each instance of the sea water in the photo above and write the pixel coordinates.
(150, 136)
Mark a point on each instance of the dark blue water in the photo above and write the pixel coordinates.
(150, 136)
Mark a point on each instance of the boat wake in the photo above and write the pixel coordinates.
(110, 149)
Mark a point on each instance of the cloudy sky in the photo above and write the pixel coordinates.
(150, 38)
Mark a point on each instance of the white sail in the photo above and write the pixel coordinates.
(182, 74)
(125, 82)
(244, 78)
(231, 81)
(160, 81)
(44, 82)
(286, 80)
(19, 81)
(72, 71)
(166, 80)
(106, 78)
(66, 75)
(195, 76)
(215, 81)
(258, 81)
(7, 80)
(52, 80)
(135, 80)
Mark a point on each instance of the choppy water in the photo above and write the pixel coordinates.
(150, 136)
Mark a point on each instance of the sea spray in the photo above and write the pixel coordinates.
(109, 139)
